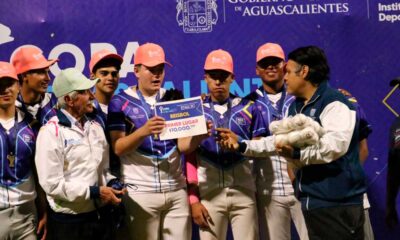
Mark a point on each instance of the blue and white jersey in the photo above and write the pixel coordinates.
(17, 151)
(271, 172)
(155, 166)
(42, 111)
(218, 168)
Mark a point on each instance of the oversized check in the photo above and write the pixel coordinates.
(183, 118)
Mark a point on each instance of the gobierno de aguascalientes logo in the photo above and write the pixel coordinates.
(196, 16)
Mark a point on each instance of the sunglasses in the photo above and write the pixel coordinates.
(270, 63)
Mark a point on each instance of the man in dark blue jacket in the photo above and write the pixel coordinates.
(331, 182)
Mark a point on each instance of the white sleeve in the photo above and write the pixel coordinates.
(262, 147)
(338, 121)
(49, 159)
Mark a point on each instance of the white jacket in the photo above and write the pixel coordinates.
(69, 160)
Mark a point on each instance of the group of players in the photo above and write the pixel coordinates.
(58, 149)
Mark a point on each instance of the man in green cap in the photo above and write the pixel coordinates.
(72, 163)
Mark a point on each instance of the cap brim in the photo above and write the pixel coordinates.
(87, 84)
(155, 63)
(84, 85)
(218, 68)
(113, 56)
(44, 64)
(271, 55)
(8, 76)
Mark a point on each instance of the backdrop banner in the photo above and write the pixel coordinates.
(360, 37)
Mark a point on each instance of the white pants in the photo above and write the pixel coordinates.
(18, 222)
(275, 215)
(234, 205)
(153, 216)
(368, 232)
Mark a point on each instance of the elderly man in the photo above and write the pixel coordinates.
(72, 163)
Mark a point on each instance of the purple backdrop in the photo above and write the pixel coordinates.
(360, 38)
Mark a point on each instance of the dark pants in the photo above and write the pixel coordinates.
(96, 225)
(344, 223)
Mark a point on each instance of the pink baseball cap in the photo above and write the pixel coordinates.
(7, 70)
(150, 55)
(103, 54)
(29, 58)
(270, 50)
(219, 60)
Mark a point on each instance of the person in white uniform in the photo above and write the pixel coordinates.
(18, 213)
(156, 203)
(72, 164)
(277, 205)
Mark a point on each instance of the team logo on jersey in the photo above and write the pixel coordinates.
(136, 114)
(241, 121)
(196, 16)
(27, 138)
(135, 110)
